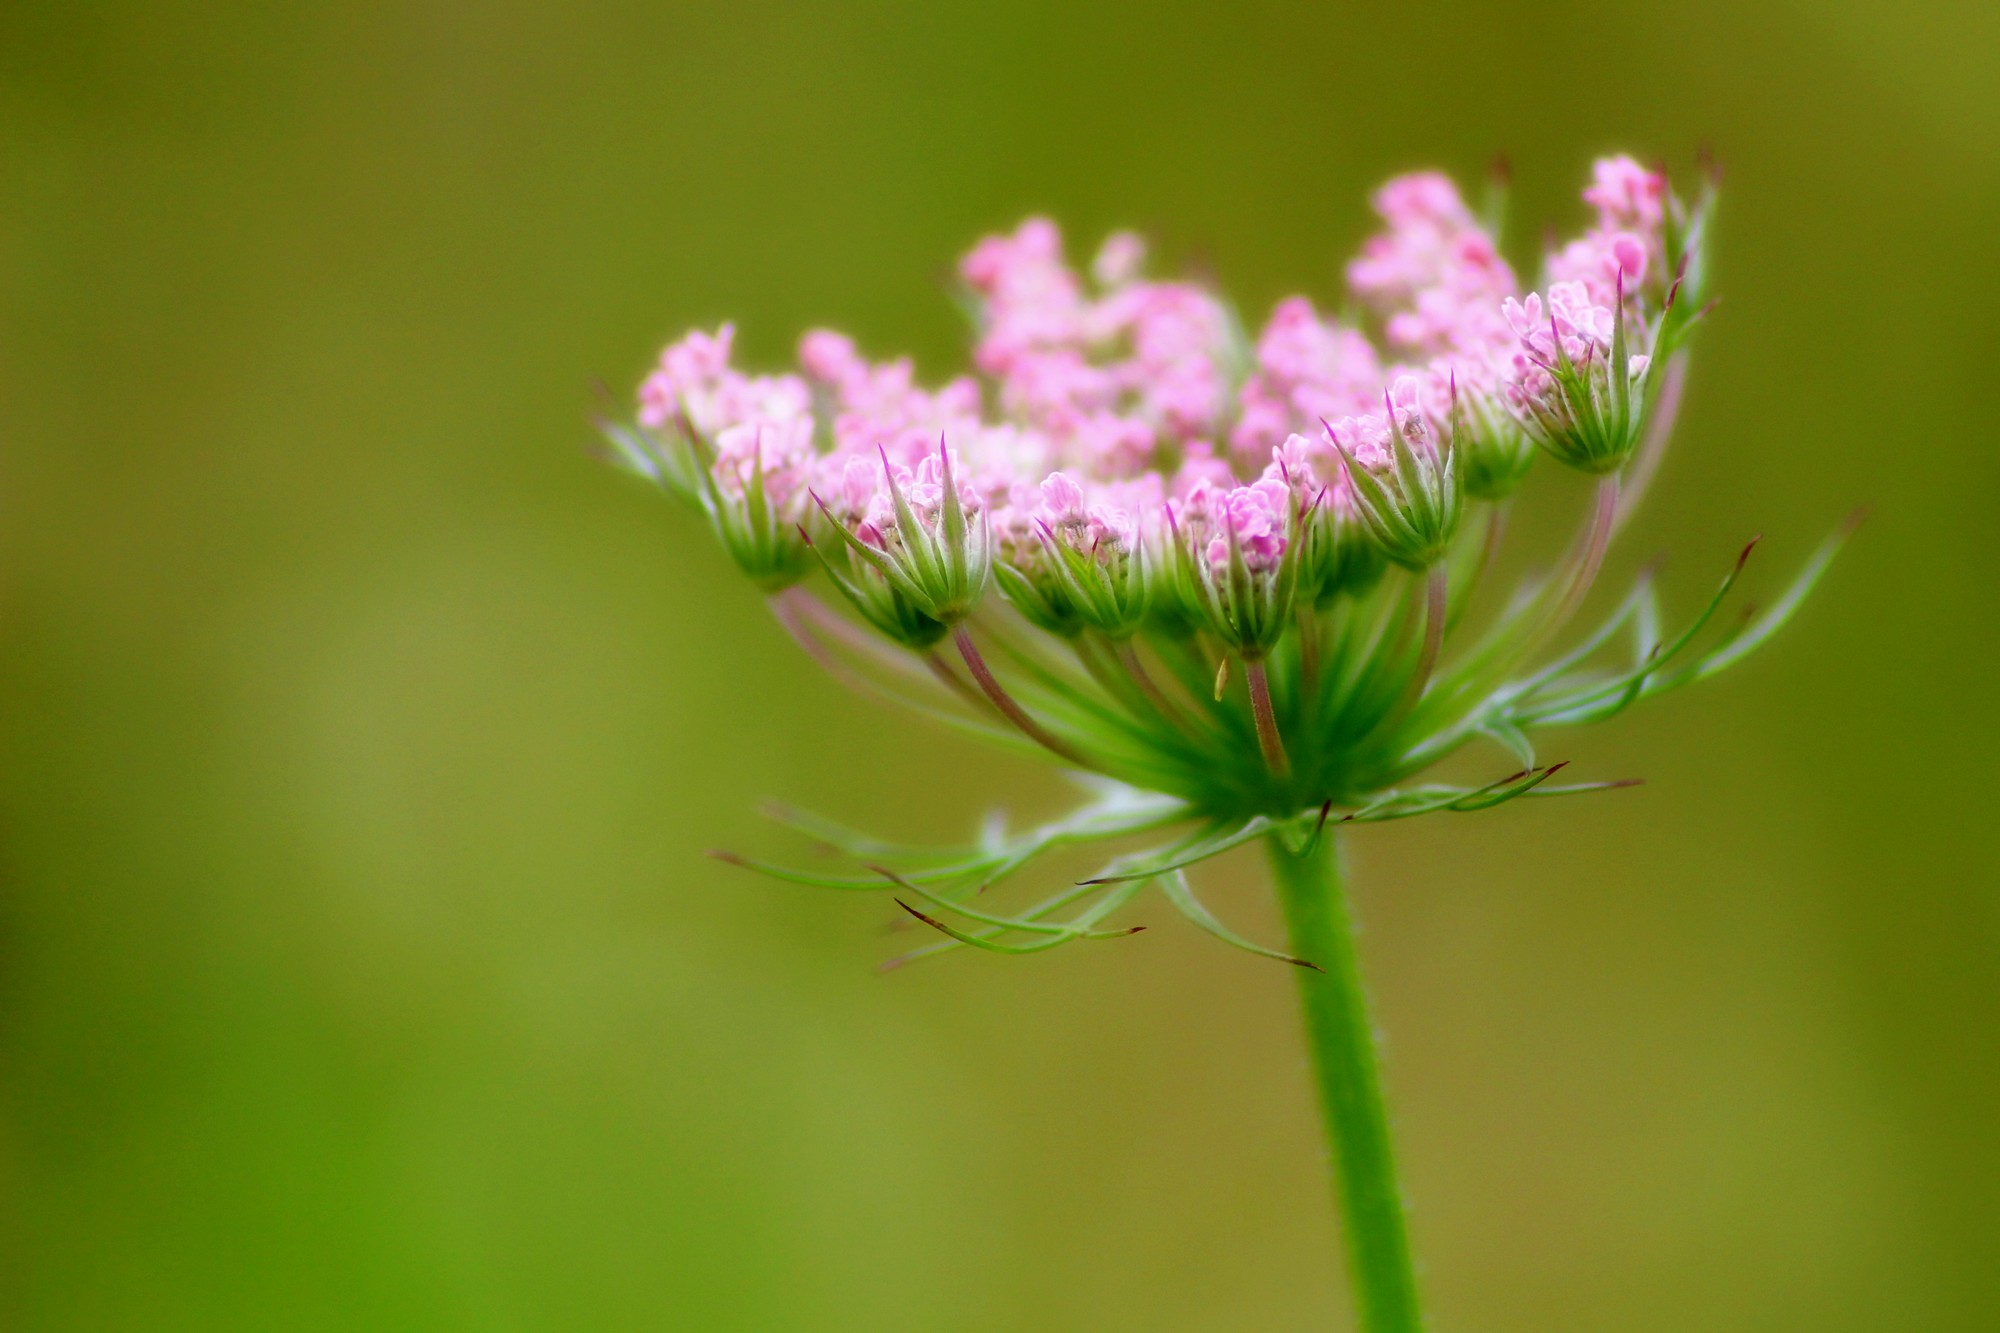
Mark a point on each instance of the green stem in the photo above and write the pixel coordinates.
(1343, 1049)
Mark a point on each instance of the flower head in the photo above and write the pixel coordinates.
(1123, 501)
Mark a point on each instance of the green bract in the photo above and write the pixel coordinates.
(1168, 754)
(1412, 507)
(927, 572)
(1494, 451)
(1594, 418)
(1248, 611)
(767, 545)
(1065, 587)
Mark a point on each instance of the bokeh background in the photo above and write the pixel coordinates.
(358, 965)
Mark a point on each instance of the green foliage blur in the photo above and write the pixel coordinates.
(359, 968)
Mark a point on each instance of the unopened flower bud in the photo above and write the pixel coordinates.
(1408, 494)
(920, 562)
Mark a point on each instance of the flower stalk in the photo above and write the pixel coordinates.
(1268, 739)
(996, 693)
(1341, 1037)
(1597, 540)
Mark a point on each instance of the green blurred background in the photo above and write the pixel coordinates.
(358, 965)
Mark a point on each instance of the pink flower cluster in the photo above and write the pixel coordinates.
(1613, 270)
(1252, 517)
(1111, 377)
(1435, 276)
(1573, 328)
(1308, 371)
(1624, 249)
(1111, 410)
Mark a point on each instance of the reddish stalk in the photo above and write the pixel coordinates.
(983, 676)
(785, 611)
(850, 635)
(1660, 429)
(954, 682)
(1268, 739)
(1436, 607)
(1434, 613)
(792, 607)
(1548, 612)
(1602, 524)
(1489, 552)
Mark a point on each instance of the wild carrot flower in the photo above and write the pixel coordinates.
(1229, 582)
